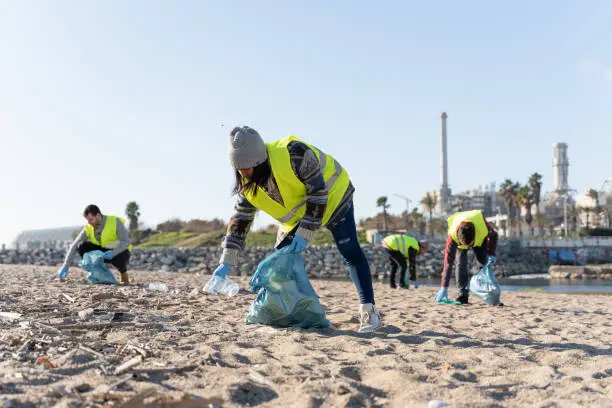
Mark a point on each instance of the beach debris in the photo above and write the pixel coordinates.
(159, 287)
(10, 316)
(128, 365)
(86, 314)
(43, 360)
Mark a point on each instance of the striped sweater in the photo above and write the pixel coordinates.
(306, 167)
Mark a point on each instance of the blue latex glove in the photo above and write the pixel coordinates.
(298, 244)
(63, 272)
(492, 260)
(108, 255)
(222, 270)
(415, 283)
(442, 294)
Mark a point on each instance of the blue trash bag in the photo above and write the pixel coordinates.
(286, 298)
(485, 286)
(93, 262)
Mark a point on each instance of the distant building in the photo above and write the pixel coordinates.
(482, 198)
(560, 168)
(56, 238)
(444, 193)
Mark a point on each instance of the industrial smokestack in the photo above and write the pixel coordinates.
(443, 163)
(560, 167)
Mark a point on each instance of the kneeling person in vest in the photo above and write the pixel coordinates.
(467, 229)
(401, 247)
(104, 233)
(303, 189)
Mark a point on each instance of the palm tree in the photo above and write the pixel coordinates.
(133, 213)
(525, 199)
(430, 201)
(382, 202)
(508, 191)
(535, 184)
(572, 215)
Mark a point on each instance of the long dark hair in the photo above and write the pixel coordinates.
(261, 175)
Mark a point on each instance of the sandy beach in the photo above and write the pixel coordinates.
(133, 347)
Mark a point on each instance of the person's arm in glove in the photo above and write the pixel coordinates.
(442, 294)
(237, 229)
(222, 270)
(63, 271)
(298, 243)
(450, 250)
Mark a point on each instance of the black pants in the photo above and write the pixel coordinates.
(397, 260)
(119, 261)
(462, 276)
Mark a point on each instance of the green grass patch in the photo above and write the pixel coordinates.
(165, 239)
(254, 239)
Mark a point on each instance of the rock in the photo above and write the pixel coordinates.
(326, 261)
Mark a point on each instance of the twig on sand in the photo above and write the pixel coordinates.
(68, 298)
(50, 329)
(122, 381)
(128, 365)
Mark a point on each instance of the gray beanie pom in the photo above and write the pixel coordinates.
(246, 148)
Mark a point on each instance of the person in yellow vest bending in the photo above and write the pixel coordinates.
(303, 189)
(402, 247)
(105, 233)
(466, 229)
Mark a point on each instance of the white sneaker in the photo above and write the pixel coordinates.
(370, 318)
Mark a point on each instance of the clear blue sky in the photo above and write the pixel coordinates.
(110, 101)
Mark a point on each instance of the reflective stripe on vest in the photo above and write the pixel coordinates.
(476, 218)
(109, 237)
(292, 190)
(401, 243)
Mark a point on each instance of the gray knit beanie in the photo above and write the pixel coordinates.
(246, 148)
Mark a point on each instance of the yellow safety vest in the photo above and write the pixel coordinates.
(292, 190)
(109, 236)
(476, 218)
(401, 243)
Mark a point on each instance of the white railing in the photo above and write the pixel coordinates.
(568, 242)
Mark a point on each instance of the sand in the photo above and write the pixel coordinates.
(539, 350)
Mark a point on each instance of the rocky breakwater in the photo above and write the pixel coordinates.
(580, 272)
(320, 261)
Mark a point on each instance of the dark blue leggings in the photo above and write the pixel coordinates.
(344, 232)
